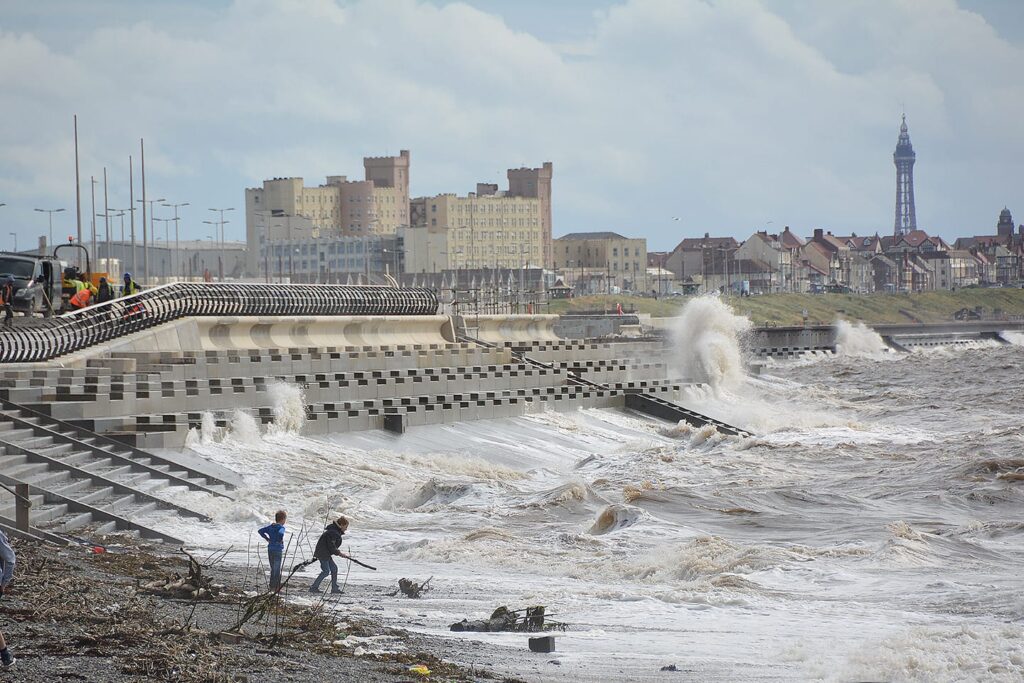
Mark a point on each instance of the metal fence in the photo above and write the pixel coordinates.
(45, 339)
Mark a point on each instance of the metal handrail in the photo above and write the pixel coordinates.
(113, 319)
(14, 493)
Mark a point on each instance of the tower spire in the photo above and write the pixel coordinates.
(903, 158)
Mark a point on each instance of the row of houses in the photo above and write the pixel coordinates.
(786, 262)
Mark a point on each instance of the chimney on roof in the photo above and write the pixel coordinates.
(818, 233)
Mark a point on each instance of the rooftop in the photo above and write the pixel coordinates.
(593, 236)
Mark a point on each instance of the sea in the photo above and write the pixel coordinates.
(871, 530)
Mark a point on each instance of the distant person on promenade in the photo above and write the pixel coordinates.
(7, 560)
(105, 292)
(274, 535)
(130, 287)
(7, 297)
(326, 548)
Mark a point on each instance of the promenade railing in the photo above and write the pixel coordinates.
(40, 340)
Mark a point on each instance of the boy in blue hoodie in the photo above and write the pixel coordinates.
(274, 535)
(7, 561)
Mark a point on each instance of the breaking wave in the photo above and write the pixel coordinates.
(858, 340)
(707, 336)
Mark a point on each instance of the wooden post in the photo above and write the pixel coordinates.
(21, 507)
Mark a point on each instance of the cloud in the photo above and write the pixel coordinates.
(729, 114)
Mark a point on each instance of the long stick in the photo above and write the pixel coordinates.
(361, 564)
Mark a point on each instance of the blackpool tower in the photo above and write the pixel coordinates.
(903, 157)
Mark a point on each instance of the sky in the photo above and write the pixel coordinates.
(664, 119)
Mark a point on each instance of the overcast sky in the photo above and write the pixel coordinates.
(730, 116)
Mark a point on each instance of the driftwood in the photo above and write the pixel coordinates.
(527, 620)
(195, 586)
(411, 589)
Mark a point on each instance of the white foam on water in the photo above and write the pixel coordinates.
(971, 652)
(858, 340)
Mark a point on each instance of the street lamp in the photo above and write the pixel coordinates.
(177, 245)
(51, 212)
(15, 236)
(145, 235)
(167, 241)
(221, 223)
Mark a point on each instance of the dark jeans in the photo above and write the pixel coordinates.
(276, 559)
(327, 566)
(8, 314)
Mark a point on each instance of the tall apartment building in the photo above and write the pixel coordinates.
(285, 209)
(488, 228)
(536, 183)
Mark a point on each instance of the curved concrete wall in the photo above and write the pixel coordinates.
(497, 329)
(261, 333)
(323, 332)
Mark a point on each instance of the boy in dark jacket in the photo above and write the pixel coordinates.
(326, 548)
(274, 535)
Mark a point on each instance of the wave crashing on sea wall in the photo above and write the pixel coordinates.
(707, 335)
(858, 340)
(289, 406)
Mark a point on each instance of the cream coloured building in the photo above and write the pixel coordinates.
(616, 260)
(484, 229)
(284, 208)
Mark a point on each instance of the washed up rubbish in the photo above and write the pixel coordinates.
(411, 589)
(419, 670)
(529, 619)
(542, 644)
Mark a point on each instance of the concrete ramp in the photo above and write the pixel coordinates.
(498, 329)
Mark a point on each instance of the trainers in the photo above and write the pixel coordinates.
(9, 661)
(314, 589)
(336, 590)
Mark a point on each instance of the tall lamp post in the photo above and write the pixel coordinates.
(167, 244)
(177, 245)
(221, 223)
(15, 236)
(51, 212)
(220, 261)
(145, 235)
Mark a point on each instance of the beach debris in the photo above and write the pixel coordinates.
(196, 585)
(528, 619)
(419, 670)
(542, 644)
(670, 667)
(411, 589)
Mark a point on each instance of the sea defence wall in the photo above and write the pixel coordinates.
(789, 341)
(497, 329)
(247, 333)
(781, 342)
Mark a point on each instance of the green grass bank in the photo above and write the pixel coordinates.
(786, 309)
